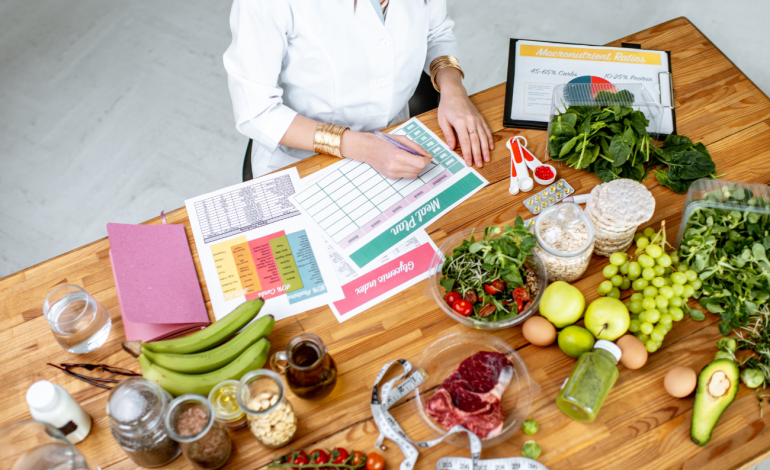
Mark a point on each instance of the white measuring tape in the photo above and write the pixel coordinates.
(383, 399)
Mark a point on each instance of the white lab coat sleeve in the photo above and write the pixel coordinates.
(441, 39)
(261, 30)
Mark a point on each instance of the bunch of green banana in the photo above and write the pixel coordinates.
(197, 362)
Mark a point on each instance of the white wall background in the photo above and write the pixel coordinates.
(112, 111)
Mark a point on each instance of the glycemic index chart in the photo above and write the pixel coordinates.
(354, 199)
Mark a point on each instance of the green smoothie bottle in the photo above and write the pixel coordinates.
(590, 382)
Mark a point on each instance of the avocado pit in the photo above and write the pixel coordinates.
(718, 384)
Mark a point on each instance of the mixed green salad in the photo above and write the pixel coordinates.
(487, 278)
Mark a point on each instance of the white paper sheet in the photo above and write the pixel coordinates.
(252, 241)
(397, 270)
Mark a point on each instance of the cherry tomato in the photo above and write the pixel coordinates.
(359, 458)
(300, 459)
(463, 307)
(375, 462)
(452, 297)
(339, 455)
(521, 292)
(319, 456)
(519, 304)
(495, 287)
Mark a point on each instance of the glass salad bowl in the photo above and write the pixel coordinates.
(439, 361)
(438, 292)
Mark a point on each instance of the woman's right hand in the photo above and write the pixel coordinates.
(389, 160)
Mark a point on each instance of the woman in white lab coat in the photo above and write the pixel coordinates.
(303, 72)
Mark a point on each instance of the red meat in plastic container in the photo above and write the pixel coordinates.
(471, 395)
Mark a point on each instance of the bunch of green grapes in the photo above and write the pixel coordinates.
(662, 285)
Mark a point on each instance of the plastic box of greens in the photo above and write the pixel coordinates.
(635, 95)
(724, 195)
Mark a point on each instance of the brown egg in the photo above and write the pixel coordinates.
(539, 331)
(680, 381)
(634, 353)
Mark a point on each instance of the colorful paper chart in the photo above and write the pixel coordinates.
(267, 267)
(365, 214)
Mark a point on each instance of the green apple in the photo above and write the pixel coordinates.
(607, 318)
(562, 304)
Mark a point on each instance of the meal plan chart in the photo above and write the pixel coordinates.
(253, 242)
(366, 214)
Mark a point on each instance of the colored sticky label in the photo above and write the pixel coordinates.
(244, 264)
(415, 219)
(284, 261)
(312, 280)
(227, 269)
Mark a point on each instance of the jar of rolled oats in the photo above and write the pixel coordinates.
(565, 241)
(262, 395)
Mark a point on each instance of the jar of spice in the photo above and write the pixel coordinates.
(204, 441)
(225, 405)
(136, 407)
(262, 395)
(565, 241)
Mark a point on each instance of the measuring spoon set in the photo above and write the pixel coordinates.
(521, 159)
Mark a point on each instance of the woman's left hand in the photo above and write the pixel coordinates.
(461, 121)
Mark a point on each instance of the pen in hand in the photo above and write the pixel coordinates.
(400, 145)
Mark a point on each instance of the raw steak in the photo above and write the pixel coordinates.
(470, 396)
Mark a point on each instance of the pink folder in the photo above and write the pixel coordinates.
(155, 278)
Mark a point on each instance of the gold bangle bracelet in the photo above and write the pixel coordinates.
(328, 138)
(440, 63)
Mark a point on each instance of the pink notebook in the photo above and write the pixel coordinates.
(155, 278)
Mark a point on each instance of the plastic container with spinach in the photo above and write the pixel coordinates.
(611, 140)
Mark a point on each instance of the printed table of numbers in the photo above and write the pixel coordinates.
(243, 209)
(354, 199)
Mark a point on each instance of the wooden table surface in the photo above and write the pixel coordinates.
(640, 425)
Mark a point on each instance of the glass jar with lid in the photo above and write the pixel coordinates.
(136, 407)
(204, 441)
(565, 241)
(262, 395)
(225, 405)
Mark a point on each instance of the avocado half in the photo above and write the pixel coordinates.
(717, 387)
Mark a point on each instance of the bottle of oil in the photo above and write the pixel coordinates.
(310, 370)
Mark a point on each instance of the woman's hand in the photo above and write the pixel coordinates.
(457, 115)
(389, 160)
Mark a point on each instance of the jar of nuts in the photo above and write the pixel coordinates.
(565, 241)
(262, 395)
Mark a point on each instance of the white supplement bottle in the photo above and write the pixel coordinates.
(52, 404)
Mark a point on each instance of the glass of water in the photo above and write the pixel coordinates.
(79, 323)
(32, 445)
